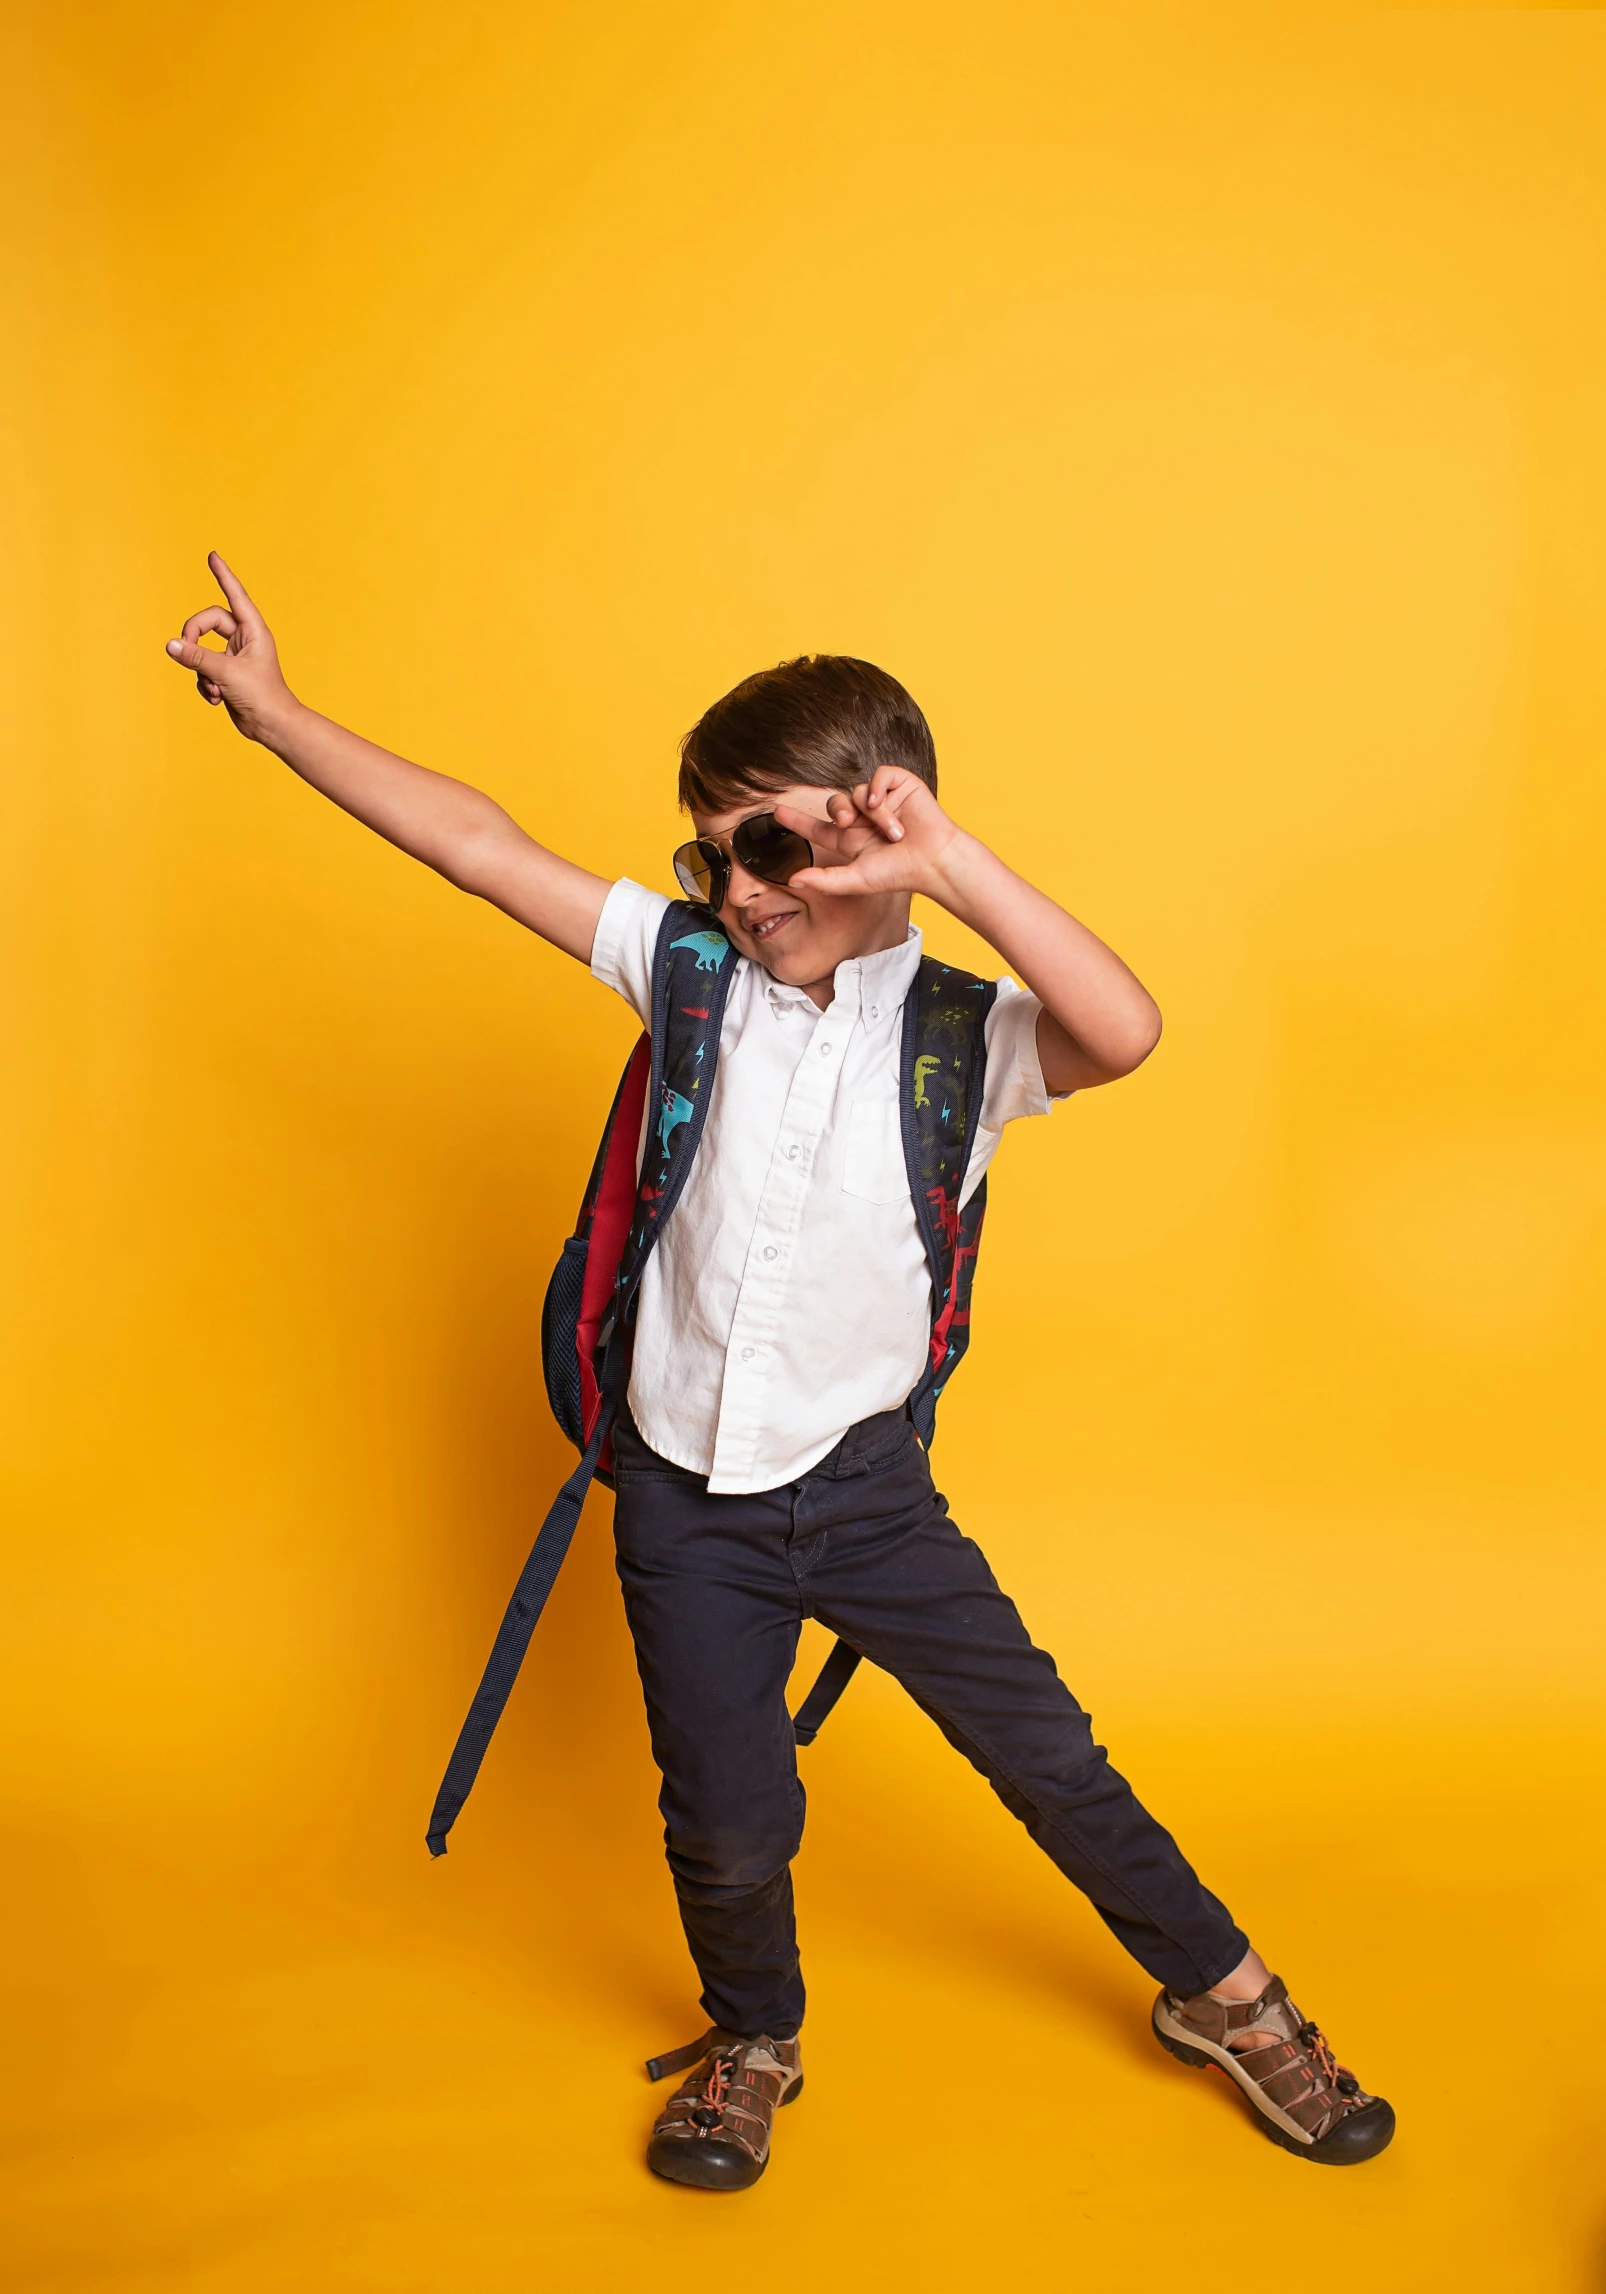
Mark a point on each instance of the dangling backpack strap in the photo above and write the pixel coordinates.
(536, 1580)
(943, 1069)
(690, 983)
(834, 1676)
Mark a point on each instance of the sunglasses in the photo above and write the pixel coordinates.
(763, 847)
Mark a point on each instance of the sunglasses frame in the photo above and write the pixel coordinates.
(719, 867)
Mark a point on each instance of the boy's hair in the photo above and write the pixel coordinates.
(823, 721)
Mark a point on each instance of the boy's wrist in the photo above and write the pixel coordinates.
(278, 727)
(956, 871)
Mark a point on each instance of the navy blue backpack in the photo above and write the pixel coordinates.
(588, 1318)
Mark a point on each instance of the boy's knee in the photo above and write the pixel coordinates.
(723, 1867)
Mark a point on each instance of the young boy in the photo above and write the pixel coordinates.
(765, 1465)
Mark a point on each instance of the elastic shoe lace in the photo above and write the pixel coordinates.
(710, 2108)
(1332, 2073)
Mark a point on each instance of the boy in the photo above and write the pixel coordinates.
(765, 1465)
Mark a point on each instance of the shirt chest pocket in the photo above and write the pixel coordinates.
(872, 1162)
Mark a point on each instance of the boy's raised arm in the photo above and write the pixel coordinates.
(454, 829)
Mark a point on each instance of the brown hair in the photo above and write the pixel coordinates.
(823, 721)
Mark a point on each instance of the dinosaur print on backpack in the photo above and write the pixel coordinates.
(710, 949)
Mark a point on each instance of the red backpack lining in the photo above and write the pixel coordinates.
(610, 1224)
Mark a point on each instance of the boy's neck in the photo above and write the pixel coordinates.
(877, 941)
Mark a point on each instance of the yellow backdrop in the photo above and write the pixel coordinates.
(1201, 412)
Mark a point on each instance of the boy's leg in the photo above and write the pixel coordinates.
(883, 1565)
(714, 1610)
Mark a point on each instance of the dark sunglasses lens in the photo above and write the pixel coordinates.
(770, 851)
(698, 866)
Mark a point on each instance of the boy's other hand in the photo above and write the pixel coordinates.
(888, 835)
(245, 675)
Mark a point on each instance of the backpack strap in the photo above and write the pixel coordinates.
(690, 981)
(832, 1678)
(536, 1580)
(943, 1075)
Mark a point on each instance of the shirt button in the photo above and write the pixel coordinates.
(769, 1250)
(875, 1011)
(793, 1152)
(825, 1051)
(747, 1353)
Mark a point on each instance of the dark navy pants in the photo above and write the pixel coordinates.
(716, 1589)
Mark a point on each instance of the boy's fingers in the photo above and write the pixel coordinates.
(214, 619)
(889, 792)
(878, 810)
(233, 589)
(201, 657)
(890, 784)
(824, 833)
(887, 777)
(841, 844)
(830, 880)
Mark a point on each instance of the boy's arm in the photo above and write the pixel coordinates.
(1098, 1020)
(457, 830)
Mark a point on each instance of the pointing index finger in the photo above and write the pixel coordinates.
(232, 587)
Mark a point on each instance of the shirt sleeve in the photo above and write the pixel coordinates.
(622, 952)
(1014, 1085)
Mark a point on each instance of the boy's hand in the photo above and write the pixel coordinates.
(889, 835)
(245, 676)
(450, 827)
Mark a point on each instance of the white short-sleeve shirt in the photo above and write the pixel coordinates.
(789, 1293)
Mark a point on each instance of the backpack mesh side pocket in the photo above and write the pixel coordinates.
(560, 1322)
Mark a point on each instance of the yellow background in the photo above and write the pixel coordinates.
(1202, 413)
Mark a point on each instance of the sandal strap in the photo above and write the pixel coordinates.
(682, 2058)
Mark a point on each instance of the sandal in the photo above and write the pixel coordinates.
(1302, 2099)
(715, 2129)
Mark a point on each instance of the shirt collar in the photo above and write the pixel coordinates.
(876, 984)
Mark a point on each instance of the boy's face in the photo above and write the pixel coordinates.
(798, 938)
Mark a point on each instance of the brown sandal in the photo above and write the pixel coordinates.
(1302, 2099)
(715, 2129)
